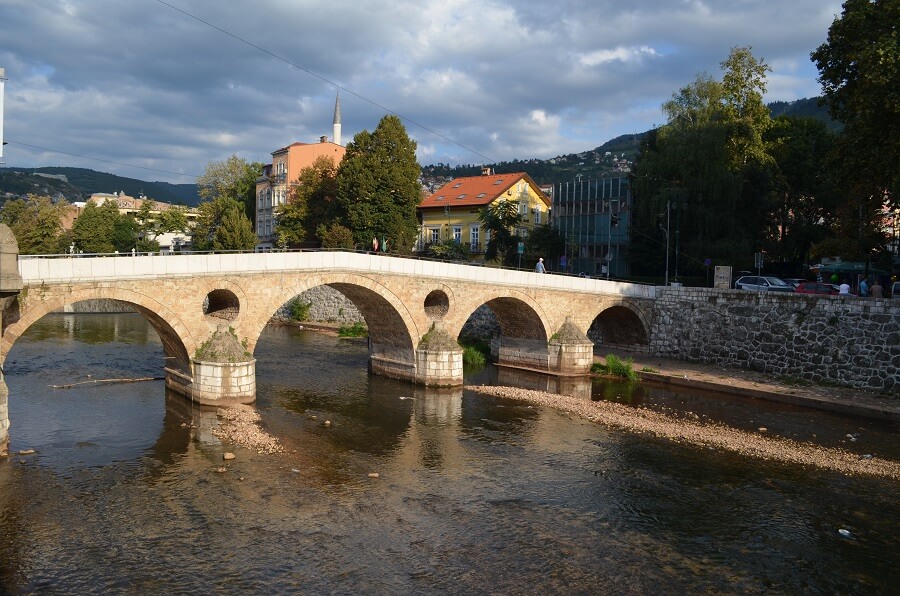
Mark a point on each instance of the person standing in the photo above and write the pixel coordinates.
(863, 288)
(877, 290)
(539, 268)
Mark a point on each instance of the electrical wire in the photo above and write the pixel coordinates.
(327, 80)
(118, 163)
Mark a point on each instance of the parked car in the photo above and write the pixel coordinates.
(762, 284)
(895, 290)
(814, 287)
(793, 281)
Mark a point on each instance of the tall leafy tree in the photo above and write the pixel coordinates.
(311, 203)
(707, 172)
(35, 222)
(94, 230)
(378, 186)
(500, 218)
(234, 178)
(218, 213)
(859, 69)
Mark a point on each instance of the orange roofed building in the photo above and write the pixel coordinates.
(274, 185)
(451, 213)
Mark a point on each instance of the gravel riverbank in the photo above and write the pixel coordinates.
(240, 425)
(711, 435)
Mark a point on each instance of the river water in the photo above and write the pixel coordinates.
(474, 494)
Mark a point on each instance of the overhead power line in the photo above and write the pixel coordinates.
(118, 163)
(326, 80)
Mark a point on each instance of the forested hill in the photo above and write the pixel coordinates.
(611, 158)
(80, 183)
(614, 156)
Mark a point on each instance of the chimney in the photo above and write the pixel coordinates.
(323, 139)
(486, 171)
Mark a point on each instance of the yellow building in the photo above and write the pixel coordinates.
(451, 213)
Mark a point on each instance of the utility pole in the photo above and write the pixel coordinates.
(666, 230)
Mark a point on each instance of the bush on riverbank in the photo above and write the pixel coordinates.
(616, 367)
(475, 352)
(300, 310)
(354, 330)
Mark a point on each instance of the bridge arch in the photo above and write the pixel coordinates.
(518, 315)
(621, 324)
(178, 342)
(393, 331)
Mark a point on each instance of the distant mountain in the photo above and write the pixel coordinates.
(80, 183)
(614, 157)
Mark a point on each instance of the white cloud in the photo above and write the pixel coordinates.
(475, 80)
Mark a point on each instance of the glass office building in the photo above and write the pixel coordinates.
(594, 216)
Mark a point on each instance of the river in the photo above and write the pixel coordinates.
(473, 495)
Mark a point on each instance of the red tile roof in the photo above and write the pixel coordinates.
(476, 190)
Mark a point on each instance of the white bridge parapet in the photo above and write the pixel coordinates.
(74, 269)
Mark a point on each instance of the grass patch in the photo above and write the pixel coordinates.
(616, 367)
(475, 352)
(355, 330)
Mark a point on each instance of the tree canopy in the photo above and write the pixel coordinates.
(234, 178)
(859, 69)
(378, 186)
(222, 225)
(36, 224)
(500, 219)
(312, 202)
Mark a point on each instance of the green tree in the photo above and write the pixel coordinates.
(234, 178)
(311, 203)
(235, 232)
(94, 230)
(218, 213)
(378, 186)
(500, 218)
(545, 241)
(335, 236)
(859, 69)
(708, 172)
(36, 223)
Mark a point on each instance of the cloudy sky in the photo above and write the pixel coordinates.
(171, 85)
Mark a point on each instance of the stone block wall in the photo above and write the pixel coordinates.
(848, 341)
(328, 305)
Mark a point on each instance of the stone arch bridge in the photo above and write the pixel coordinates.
(210, 309)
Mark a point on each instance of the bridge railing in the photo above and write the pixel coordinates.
(62, 268)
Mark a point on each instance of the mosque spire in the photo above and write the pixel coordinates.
(337, 119)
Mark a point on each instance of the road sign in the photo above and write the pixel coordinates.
(758, 260)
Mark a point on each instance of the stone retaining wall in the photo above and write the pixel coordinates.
(851, 341)
(328, 306)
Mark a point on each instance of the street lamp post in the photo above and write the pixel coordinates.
(666, 230)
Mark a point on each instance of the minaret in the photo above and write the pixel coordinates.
(2, 81)
(337, 119)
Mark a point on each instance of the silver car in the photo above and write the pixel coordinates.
(762, 284)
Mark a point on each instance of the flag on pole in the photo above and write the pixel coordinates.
(375, 244)
(383, 244)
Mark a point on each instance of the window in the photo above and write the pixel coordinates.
(457, 185)
(435, 235)
(537, 216)
(462, 196)
(481, 195)
(457, 234)
(473, 237)
(523, 208)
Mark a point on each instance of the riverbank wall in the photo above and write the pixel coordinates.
(846, 341)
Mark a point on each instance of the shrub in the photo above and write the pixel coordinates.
(472, 355)
(299, 310)
(355, 330)
(621, 368)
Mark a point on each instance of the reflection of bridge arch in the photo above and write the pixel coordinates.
(393, 332)
(621, 324)
(176, 339)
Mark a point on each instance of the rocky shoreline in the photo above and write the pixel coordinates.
(712, 435)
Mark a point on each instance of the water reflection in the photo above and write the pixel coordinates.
(474, 494)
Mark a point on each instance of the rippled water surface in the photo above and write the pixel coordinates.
(475, 494)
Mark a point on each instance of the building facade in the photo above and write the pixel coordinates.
(594, 216)
(451, 212)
